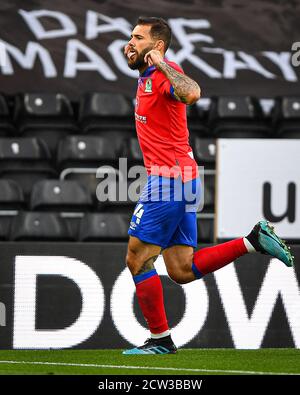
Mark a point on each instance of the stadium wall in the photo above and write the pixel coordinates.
(79, 295)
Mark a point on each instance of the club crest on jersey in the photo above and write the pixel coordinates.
(148, 85)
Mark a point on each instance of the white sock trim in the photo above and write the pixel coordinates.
(160, 335)
(248, 245)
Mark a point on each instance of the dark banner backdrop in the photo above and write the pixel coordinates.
(73, 46)
(74, 295)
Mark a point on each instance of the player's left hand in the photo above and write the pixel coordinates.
(153, 57)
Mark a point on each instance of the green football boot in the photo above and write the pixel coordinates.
(161, 346)
(264, 239)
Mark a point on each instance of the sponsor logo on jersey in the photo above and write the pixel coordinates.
(140, 118)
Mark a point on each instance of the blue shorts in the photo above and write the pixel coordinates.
(165, 214)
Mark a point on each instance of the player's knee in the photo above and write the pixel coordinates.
(179, 276)
(133, 262)
(181, 272)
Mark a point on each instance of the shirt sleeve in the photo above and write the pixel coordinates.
(165, 86)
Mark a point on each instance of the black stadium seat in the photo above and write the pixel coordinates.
(112, 146)
(103, 227)
(91, 177)
(25, 160)
(11, 195)
(204, 150)
(60, 195)
(121, 197)
(82, 158)
(43, 111)
(205, 227)
(36, 226)
(286, 117)
(133, 151)
(118, 137)
(101, 111)
(196, 120)
(4, 229)
(209, 193)
(51, 137)
(6, 219)
(23, 152)
(237, 117)
(6, 125)
(48, 116)
(88, 151)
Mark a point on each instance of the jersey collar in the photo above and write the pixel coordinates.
(149, 70)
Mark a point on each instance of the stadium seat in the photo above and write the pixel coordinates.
(11, 195)
(25, 160)
(118, 197)
(5, 226)
(23, 152)
(237, 117)
(191, 111)
(101, 111)
(58, 195)
(196, 120)
(44, 110)
(88, 158)
(132, 151)
(118, 136)
(88, 151)
(286, 117)
(204, 150)
(91, 177)
(48, 116)
(37, 226)
(209, 193)
(103, 227)
(205, 229)
(6, 124)
(50, 137)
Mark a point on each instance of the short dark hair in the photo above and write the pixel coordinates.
(160, 30)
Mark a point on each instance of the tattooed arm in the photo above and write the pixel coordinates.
(186, 90)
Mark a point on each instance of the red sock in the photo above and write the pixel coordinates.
(151, 300)
(210, 259)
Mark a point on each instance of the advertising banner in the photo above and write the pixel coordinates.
(80, 295)
(258, 179)
(74, 47)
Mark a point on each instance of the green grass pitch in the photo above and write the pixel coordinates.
(186, 362)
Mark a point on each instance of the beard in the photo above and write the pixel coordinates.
(139, 61)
